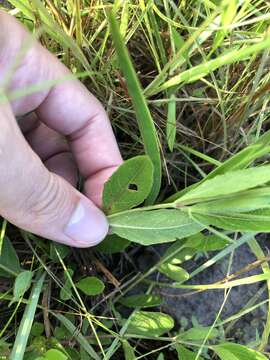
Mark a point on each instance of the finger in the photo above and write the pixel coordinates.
(39, 201)
(66, 107)
(52, 148)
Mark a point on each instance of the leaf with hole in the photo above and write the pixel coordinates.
(231, 351)
(91, 286)
(141, 300)
(155, 226)
(22, 284)
(129, 185)
(151, 324)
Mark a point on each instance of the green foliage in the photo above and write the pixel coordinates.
(129, 185)
(237, 352)
(173, 272)
(142, 301)
(128, 351)
(22, 284)
(151, 324)
(152, 227)
(185, 354)
(91, 286)
(9, 262)
(199, 333)
(112, 244)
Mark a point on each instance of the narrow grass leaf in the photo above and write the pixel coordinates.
(22, 336)
(129, 185)
(237, 352)
(73, 330)
(148, 323)
(153, 227)
(144, 118)
(171, 122)
(228, 183)
(202, 70)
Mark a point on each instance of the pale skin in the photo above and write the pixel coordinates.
(67, 129)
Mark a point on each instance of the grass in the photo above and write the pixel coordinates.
(187, 83)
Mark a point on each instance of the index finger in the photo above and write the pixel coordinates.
(67, 107)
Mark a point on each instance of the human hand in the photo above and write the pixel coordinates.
(37, 168)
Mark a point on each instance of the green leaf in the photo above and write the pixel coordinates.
(90, 285)
(174, 272)
(238, 161)
(128, 351)
(230, 351)
(62, 250)
(229, 183)
(37, 329)
(9, 262)
(54, 354)
(143, 115)
(148, 323)
(23, 333)
(171, 122)
(112, 244)
(185, 354)
(129, 185)
(257, 221)
(22, 284)
(206, 243)
(198, 333)
(153, 227)
(65, 292)
(142, 301)
(179, 252)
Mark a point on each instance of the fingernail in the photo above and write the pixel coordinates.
(87, 225)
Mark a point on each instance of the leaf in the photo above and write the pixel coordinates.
(9, 262)
(198, 333)
(142, 301)
(37, 329)
(174, 272)
(257, 221)
(65, 292)
(241, 202)
(22, 284)
(23, 333)
(150, 324)
(185, 354)
(128, 350)
(54, 354)
(238, 161)
(90, 285)
(153, 227)
(201, 70)
(178, 252)
(230, 351)
(143, 115)
(112, 244)
(129, 185)
(62, 250)
(229, 183)
(206, 243)
(171, 122)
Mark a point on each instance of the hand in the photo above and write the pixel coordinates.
(67, 128)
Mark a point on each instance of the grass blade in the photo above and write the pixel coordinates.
(144, 118)
(27, 321)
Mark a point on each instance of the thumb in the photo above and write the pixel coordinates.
(39, 201)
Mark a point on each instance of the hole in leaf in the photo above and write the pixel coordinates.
(133, 187)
